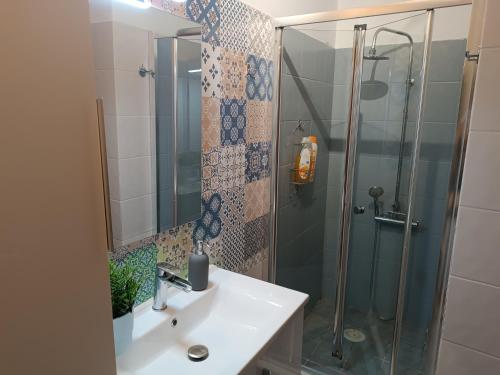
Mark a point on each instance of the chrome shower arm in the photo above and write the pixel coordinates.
(373, 48)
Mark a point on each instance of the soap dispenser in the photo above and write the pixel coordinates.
(198, 268)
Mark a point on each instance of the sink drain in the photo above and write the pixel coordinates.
(198, 353)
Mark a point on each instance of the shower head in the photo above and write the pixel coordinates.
(376, 192)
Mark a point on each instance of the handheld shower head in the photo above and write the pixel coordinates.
(376, 192)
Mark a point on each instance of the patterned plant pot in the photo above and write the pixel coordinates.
(122, 329)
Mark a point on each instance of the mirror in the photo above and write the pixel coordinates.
(148, 73)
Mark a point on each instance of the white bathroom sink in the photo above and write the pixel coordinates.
(234, 318)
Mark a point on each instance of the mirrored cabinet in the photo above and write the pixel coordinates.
(148, 74)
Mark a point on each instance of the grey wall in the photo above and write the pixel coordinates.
(307, 96)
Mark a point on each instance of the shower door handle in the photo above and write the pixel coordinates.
(359, 210)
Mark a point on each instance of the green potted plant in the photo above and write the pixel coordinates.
(124, 289)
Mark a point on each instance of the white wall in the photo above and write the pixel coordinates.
(471, 335)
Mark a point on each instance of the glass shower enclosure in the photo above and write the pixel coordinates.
(381, 96)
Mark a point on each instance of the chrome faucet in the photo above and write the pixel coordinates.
(165, 277)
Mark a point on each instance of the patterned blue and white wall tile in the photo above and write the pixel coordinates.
(258, 161)
(259, 78)
(211, 68)
(207, 13)
(233, 115)
(235, 20)
(234, 162)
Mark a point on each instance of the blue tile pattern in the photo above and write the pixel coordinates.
(229, 28)
(256, 236)
(207, 13)
(235, 19)
(233, 114)
(143, 262)
(259, 78)
(210, 224)
(257, 161)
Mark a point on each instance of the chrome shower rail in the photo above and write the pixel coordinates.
(349, 14)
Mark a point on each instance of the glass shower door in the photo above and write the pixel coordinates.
(352, 309)
(388, 104)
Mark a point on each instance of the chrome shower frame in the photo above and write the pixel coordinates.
(457, 162)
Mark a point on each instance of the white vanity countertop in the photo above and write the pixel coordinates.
(235, 318)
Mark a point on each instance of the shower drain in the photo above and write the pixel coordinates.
(354, 335)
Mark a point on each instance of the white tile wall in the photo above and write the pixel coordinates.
(458, 360)
(134, 176)
(486, 112)
(136, 215)
(132, 93)
(105, 88)
(481, 174)
(479, 230)
(471, 333)
(119, 52)
(133, 136)
(491, 31)
(472, 315)
(130, 47)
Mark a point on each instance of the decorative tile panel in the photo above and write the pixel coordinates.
(207, 13)
(259, 121)
(233, 218)
(257, 198)
(235, 158)
(259, 78)
(256, 236)
(211, 71)
(259, 29)
(175, 245)
(210, 224)
(257, 164)
(223, 169)
(210, 123)
(233, 74)
(232, 167)
(235, 19)
(233, 208)
(171, 6)
(233, 113)
(211, 179)
(143, 261)
(214, 250)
